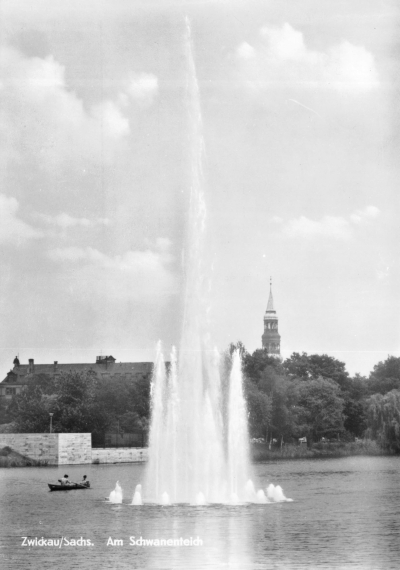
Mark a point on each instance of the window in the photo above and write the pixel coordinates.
(11, 391)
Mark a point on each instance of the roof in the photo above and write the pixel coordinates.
(20, 374)
(270, 305)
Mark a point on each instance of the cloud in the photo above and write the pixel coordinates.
(144, 276)
(286, 44)
(78, 254)
(328, 226)
(42, 118)
(141, 89)
(281, 57)
(163, 244)
(334, 227)
(362, 216)
(66, 221)
(12, 229)
(112, 123)
(246, 51)
(143, 86)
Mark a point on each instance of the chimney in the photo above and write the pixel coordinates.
(55, 366)
(31, 366)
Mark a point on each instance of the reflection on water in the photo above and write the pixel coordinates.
(344, 515)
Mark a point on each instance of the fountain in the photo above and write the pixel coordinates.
(116, 495)
(137, 496)
(198, 440)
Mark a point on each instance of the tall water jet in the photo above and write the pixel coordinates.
(238, 446)
(198, 441)
(157, 447)
(186, 455)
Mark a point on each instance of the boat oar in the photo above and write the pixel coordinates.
(79, 485)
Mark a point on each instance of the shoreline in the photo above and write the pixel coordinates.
(261, 453)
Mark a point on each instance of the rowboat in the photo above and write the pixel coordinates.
(71, 487)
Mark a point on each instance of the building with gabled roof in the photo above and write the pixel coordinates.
(105, 367)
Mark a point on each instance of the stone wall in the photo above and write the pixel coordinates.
(120, 455)
(51, 448)
(74, 448)
(39, 446)
(68, 449)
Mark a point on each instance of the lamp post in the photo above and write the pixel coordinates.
(51, 422)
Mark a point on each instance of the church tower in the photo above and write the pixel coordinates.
(271, 339)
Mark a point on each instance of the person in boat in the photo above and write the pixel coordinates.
(64, 480)
(85, 481)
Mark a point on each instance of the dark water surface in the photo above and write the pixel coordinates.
(345, 514)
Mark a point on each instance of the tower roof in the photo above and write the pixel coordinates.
(270, 305)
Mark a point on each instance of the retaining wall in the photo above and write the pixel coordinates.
(120, 455)
(74, 448)
(51, 448)
(69, 449)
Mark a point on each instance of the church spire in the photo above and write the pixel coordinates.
(271, 340)
(270, 306)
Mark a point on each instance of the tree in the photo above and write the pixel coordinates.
(385, 376)
(355, 417)
(357, 387)
(317, 408)
(76, 408)
(283, 419)
(390, 368)
(259, 409)
(30, 409)
(298, 366)
(383, 416)
(262, 367)
(306, 366)
(4, 414)
(70, 398)
(139, 398)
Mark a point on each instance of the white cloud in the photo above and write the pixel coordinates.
(286, 43)
(246, 51)
(334, 227)
(328, 226)
(143, 276)
(12, 229)
(66, 221)
(163, 244)
(41, 117)
(78, 254)
(349, 68)
(112, 123)
(281, 57)
(143, 86)
(362, 216)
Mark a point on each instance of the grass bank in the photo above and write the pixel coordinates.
(10, 458)
(261, 452)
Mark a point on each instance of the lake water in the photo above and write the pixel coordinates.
(345, 514)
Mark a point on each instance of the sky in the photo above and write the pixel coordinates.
(300, 112)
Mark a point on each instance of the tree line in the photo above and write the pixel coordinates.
(313, 396)
(310, 396)
(80, 402)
